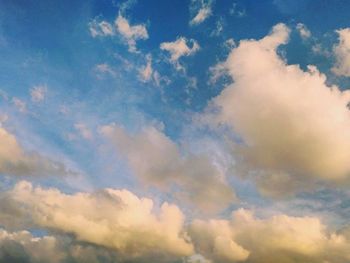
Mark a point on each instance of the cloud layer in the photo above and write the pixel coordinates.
(117, 224)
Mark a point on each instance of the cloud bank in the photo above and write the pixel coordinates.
(116, 219)
(118, 226)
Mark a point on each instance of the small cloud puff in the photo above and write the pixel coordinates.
(304, 32)
(180, 48)
(38, 93)
(203, 11)
(130, 33)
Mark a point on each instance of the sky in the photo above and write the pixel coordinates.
(198, 131)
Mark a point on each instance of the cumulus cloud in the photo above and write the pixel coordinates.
(294, 128)
(203, 11)
(136, 231)
(116, 219)
(277, 239)
(180, 48)
(130, 33)
(15, 161)
(342, 53)
(38, 93)
(156, 160)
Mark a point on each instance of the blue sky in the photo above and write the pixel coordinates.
(230, 110)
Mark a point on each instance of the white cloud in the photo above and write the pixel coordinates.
(15, 161)
(104, 68)
(280, 238)
(203, 11)
(146, 72)
(342, 53)
(38, 93)
(116, 219)
(295, 129)
(304, 32)
(160, 80)
(180, 48)
(157, 161)
(101, 28)
(130, 33)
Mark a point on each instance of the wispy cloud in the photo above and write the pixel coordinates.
(38, 93)
(179, 48)
(130, 33)
(202, 9)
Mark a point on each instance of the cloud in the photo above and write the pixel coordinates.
(280, 238)
(294, 128)
(157, 161)
(15, 161)
(19, 104)
(303, 31)
(147, 71)
(84, 131)
(204, 11)
(237, 11)
(218, 28)
(104, 69)
(92, 225)
(101, 28)
(23, 247)
(180, 48)
(115, 219)
(38, 93)
(130, 33)
(342, 53)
